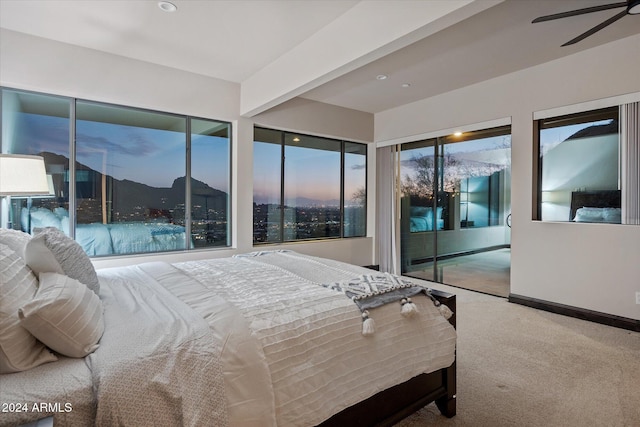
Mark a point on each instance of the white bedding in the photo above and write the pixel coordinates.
(311, 337)
(291, 352)
(156, 364)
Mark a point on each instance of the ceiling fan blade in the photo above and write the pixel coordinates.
(580, 11)
(596, 28)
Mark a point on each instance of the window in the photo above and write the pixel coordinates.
(466, 179)
(122, 179)
(579, 168)
(307, 187)
(355, 189)
(210, 183)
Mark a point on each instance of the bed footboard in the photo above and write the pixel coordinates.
(396, 403)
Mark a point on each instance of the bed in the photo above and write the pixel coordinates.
(421, 218)
(120, 238)
(269, 338)
(596, 206)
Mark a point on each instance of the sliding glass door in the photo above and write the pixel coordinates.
(455, 208)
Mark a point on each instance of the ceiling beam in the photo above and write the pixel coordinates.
(366, 32)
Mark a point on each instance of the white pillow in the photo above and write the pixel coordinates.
(61, 212)
(589, 215)
(613, 215)
(16, 240)
(43, 217)
(19, 350)
(65, 315)
(52, 251)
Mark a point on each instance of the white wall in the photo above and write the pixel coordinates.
(33, 63)
(592, 266)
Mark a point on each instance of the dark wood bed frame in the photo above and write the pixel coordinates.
(396, 403)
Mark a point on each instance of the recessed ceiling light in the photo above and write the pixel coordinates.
(406, 84)
(296, 139)
(457, 133)
(382, 77)
(167, 6)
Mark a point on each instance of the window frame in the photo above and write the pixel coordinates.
(550, 122)
(283, 144)
(439, 143)
(72, 203)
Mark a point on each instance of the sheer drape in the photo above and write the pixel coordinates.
(630, 162)
(386, 169)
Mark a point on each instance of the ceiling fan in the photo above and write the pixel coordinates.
(632, 7)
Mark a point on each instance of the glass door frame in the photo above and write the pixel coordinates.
(445, 207)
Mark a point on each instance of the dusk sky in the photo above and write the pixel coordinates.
(551, 137)
(156, 158)
(312, 174)
(465, 149)
(148, 156)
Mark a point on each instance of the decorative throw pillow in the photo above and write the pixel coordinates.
(52, 251)
(19, 350)
(65, 315)
(16, 240)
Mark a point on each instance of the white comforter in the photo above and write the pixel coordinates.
(255, 339)
(158, 361)
(309, 338)
(158, 364)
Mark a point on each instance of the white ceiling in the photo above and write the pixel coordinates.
(328, 51)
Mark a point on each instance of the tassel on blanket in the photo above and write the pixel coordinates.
(368, 325)
(444, 310)
(370, 291)
(409, 309)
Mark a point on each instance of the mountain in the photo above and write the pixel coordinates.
(130, 199)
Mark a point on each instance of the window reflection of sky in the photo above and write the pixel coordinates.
(313, 174)
(149, 156)
(156, 157)
(36, 133)
(310, 173)
(493, 150)
(551, 137)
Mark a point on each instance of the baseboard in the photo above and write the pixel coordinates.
(579, 313)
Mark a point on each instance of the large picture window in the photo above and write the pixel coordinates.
(122, 178)
(307, 187)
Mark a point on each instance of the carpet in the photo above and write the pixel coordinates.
(518, 366)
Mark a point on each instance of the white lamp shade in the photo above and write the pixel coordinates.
(22, 175)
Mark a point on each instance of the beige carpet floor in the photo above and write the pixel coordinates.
(519, 366)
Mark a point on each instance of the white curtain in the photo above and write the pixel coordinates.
(387, 208)
(630, 162)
